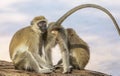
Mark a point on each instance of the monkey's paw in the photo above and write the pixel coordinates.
(46, 71)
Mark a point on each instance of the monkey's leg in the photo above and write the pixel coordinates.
(26, 61)
(65, 58)
(74, 62)
(41, 62)
(35, 65)
(60, 63)
(81, 56)
(48, 56)
(48, 52)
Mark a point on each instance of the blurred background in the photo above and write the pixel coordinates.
(92, 25)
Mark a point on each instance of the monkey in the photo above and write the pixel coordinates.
(78, 51)
(58, 37)
(26, 46)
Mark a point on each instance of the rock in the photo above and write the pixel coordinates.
(7, 69)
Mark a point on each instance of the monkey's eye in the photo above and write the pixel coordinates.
(41, 23)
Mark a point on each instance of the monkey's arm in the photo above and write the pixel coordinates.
(50, 42)
(63, 43)
(48, 55)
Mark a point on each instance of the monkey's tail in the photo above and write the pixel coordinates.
(61, 19)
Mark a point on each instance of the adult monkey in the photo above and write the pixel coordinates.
(61, 19)
(26, 46)
(78, 50)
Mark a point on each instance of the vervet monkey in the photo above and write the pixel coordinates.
(57, 37)
(26, 46)
(79, 50)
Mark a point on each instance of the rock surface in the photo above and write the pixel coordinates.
(7, 69)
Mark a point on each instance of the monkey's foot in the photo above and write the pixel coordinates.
(46, 71)
(66, 70)
(58, 66)
(51, 67)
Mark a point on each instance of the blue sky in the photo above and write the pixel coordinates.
(92, 25)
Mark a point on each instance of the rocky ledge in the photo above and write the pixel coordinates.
(7, 69)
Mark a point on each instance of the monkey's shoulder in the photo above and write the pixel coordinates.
(24, 34)
(26, 31)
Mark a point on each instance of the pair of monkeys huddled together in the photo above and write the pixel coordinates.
(26, 47)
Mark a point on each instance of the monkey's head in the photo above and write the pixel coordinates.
(40, 22)
(53, 29)
(70, 32)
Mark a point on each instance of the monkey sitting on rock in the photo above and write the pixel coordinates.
(78, 50)
(26, 46)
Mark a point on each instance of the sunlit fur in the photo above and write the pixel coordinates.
(25, 47)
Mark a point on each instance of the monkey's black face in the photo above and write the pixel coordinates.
(42, 26)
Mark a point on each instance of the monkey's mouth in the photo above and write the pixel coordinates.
(43, 29)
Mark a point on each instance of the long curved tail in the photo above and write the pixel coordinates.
(61, 19)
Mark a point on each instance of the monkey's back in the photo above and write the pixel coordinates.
(78, 49)
(23, 37)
